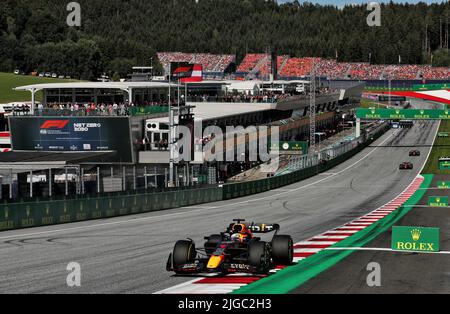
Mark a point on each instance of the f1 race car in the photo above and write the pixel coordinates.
(235, 250)
(414, 153)
(406, 165)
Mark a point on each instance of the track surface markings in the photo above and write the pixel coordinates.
(303, 249)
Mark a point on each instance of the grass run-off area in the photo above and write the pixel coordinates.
(9, 80)
(368, 103)
(441, 148)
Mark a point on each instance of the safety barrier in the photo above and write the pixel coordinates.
(44, 212)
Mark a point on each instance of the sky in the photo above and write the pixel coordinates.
(343, 2)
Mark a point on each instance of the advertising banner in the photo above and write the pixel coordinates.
(443, 185)
(415, 239)
(388, 114)
(438, 201)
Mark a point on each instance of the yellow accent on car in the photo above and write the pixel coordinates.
(214, 261)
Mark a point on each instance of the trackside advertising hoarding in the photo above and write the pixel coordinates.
(415, 239)
(73, 134)
(413, 114)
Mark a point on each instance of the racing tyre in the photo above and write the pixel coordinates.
(183, 253)
(258, 257)
(211, 244)
(282, 249)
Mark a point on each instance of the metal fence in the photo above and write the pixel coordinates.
(28, 182)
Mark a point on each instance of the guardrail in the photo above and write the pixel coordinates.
(35, 213)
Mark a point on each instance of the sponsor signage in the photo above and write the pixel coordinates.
(438, 201)
(443, 184)
(73, 134)
(444, 163)
(431, 86)
(415, 239)
(391, 98)
(391, 114)
(443, 134)
(300, 147)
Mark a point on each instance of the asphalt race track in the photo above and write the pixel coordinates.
(128, 254)
(401, 272)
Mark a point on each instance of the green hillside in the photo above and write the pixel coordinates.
(9, 80)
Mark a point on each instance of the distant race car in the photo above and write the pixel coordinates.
(406, 165)
(235, 250)
(414, 153)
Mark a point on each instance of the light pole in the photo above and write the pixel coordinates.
(170, 181)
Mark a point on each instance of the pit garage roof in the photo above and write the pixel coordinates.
(211, 110)
(95, 85)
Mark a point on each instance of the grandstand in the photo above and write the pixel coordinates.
(298, 67)
(265, 69)
(213, 65)
(258, 65)
(438, 73)
(251, 63)
(365, 71)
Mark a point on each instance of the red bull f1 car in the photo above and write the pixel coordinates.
(414, 153)
(238, 249)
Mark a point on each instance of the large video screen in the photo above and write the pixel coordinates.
(73, 134)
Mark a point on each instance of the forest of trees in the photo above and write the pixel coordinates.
(117, 34)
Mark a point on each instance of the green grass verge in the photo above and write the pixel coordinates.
(441, 148)
(9, 80)
(368, 103)
(292, 277)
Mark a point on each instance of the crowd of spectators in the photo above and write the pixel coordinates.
(210, 62)
(331, 69)
(402, 72)
(298, 67)
(365, 71)
(86, 109)
(265, 68)
(440, 73)
(301, 67)
(259, 64)
(250, 62)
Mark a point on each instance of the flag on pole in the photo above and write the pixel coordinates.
(187, 72)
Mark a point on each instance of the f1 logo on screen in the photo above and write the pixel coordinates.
(415, 239)
(57, 124)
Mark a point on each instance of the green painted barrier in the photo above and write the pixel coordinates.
(34, 214)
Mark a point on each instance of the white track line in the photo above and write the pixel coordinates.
(380, 249)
